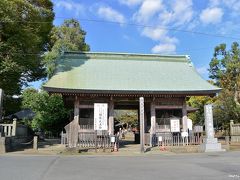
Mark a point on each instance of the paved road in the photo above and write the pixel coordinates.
(218, 166)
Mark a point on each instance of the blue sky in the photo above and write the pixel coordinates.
(159, 20)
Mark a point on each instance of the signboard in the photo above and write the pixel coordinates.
(159, 138)
(198, 129)
(175, 125)
(184, 134)
(100, 116)
(189, 124)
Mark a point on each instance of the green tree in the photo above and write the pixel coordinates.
(199, 102)
(130, 117)
(67, 37)
(24, 36)
(51, 115)
(225, 71)
(225, 68)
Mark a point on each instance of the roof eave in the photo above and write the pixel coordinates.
(131, 92)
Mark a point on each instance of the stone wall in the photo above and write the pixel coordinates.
(8, 144)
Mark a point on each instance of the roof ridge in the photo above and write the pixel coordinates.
(124, 53)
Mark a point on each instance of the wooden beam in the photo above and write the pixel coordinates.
(168, 107)
(86, 106)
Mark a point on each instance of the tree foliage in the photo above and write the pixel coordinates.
(130, 117)
(67, 37)
(24, 36)
(51, 115)
(199, 102)
(225, 71)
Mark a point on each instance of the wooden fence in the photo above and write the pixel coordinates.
(88, 138)
(167, 139)
(8, 130)
(234, 131)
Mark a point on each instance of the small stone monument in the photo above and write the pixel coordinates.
(210, 144)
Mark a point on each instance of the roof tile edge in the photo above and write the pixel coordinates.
(116, 55)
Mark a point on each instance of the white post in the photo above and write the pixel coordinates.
(141, 107)
(14, 129)
(35, 142)
(231, 127)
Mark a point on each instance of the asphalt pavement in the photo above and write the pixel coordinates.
(212, 166)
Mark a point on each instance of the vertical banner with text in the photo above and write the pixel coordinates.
(100, 116)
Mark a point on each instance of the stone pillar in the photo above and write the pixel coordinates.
(153, 123)
(14, 129)
(210, 144)
(1, 103)
(141, 114)
(111, 118)
(3, 145)
(35, 142)
(231, 127)
(184, 116)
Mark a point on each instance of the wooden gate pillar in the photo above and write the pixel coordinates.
(153, 123)
(74, 125)
(111, 118)
(76, 108)
(184, 116)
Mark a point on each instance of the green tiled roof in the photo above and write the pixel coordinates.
(124, 72)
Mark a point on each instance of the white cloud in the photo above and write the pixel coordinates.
(164, 49)
(130, 2)
(71, 6)
(214, 3)
(110, 14)
(160, 14)
(147, 10)
(211, 15)
(158, 34)
(203, 70)
(182, 11)
(179, 13)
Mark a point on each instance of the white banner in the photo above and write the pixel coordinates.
(100, 116)
(189, 124)
(175, 125)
